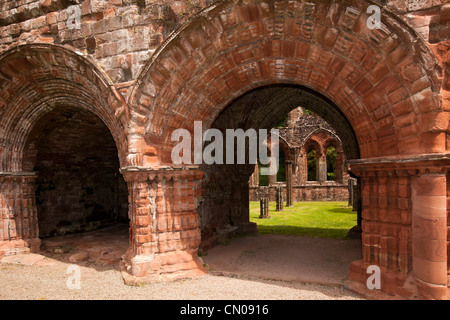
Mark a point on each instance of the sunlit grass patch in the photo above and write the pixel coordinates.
(312, 219)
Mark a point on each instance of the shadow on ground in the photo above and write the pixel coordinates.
(285, 258)
(101, 249)
(281, 260)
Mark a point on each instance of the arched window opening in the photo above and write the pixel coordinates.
(331, 164)
(312, 165)
(281, 174)
(263, 179)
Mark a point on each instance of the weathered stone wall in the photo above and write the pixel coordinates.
(311, 191)
(120, 35)
(448, 226)
(146, 68)
(301, 132)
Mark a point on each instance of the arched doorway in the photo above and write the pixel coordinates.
(79, 186)
(62, 145)
(225, 204)
(232, 48)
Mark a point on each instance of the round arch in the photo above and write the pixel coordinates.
(38, 78)
(382, 80)
(332, 140)
(385, 83)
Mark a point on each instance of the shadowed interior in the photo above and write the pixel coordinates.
(79, 186)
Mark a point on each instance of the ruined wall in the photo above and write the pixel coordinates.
(311, 191)
(386, 82)
(431, 20)
(120, 35)
(448, 226)
(301, 131)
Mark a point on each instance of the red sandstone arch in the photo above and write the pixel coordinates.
(320, 140)
(287, 149)
(312, 143)
(326, 138)
(333, 141)
(35, 79)
(384, 81)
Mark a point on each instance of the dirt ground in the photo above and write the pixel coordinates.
(259, 267)
(286, 258)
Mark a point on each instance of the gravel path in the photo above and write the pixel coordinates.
(286, 258)
(46, 277)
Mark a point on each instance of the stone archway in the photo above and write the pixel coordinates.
(320, 140)
(233, 47)
(384, 82)
(48, 93)
(313, 153)
(78, 184)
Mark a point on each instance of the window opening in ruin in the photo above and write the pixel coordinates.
(312, 165)
(331, 164)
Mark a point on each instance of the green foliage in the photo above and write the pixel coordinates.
(281, 174)
(331, 163)
(281, 123)
(263, 179)
(312, 166)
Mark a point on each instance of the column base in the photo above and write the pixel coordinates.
(13, 247)
(355, 232)
(394, 285)
(219, 236)
(247, 228)
(429, 291)
(145, 269)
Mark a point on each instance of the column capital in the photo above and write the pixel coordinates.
(17, 175)
(438, 163)
(140, 174)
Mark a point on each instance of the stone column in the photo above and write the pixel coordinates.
(272, 179)
(404, 224)
(386, 229)
(351, 183)
(264, 208)
(240, 207)
(322, 168)
(19, 230)
(164, 224)
(429, 222)
(279, 196)
(289, 200)
(340, 167)
(254, 178)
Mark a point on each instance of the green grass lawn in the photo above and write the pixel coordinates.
(311, 219)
